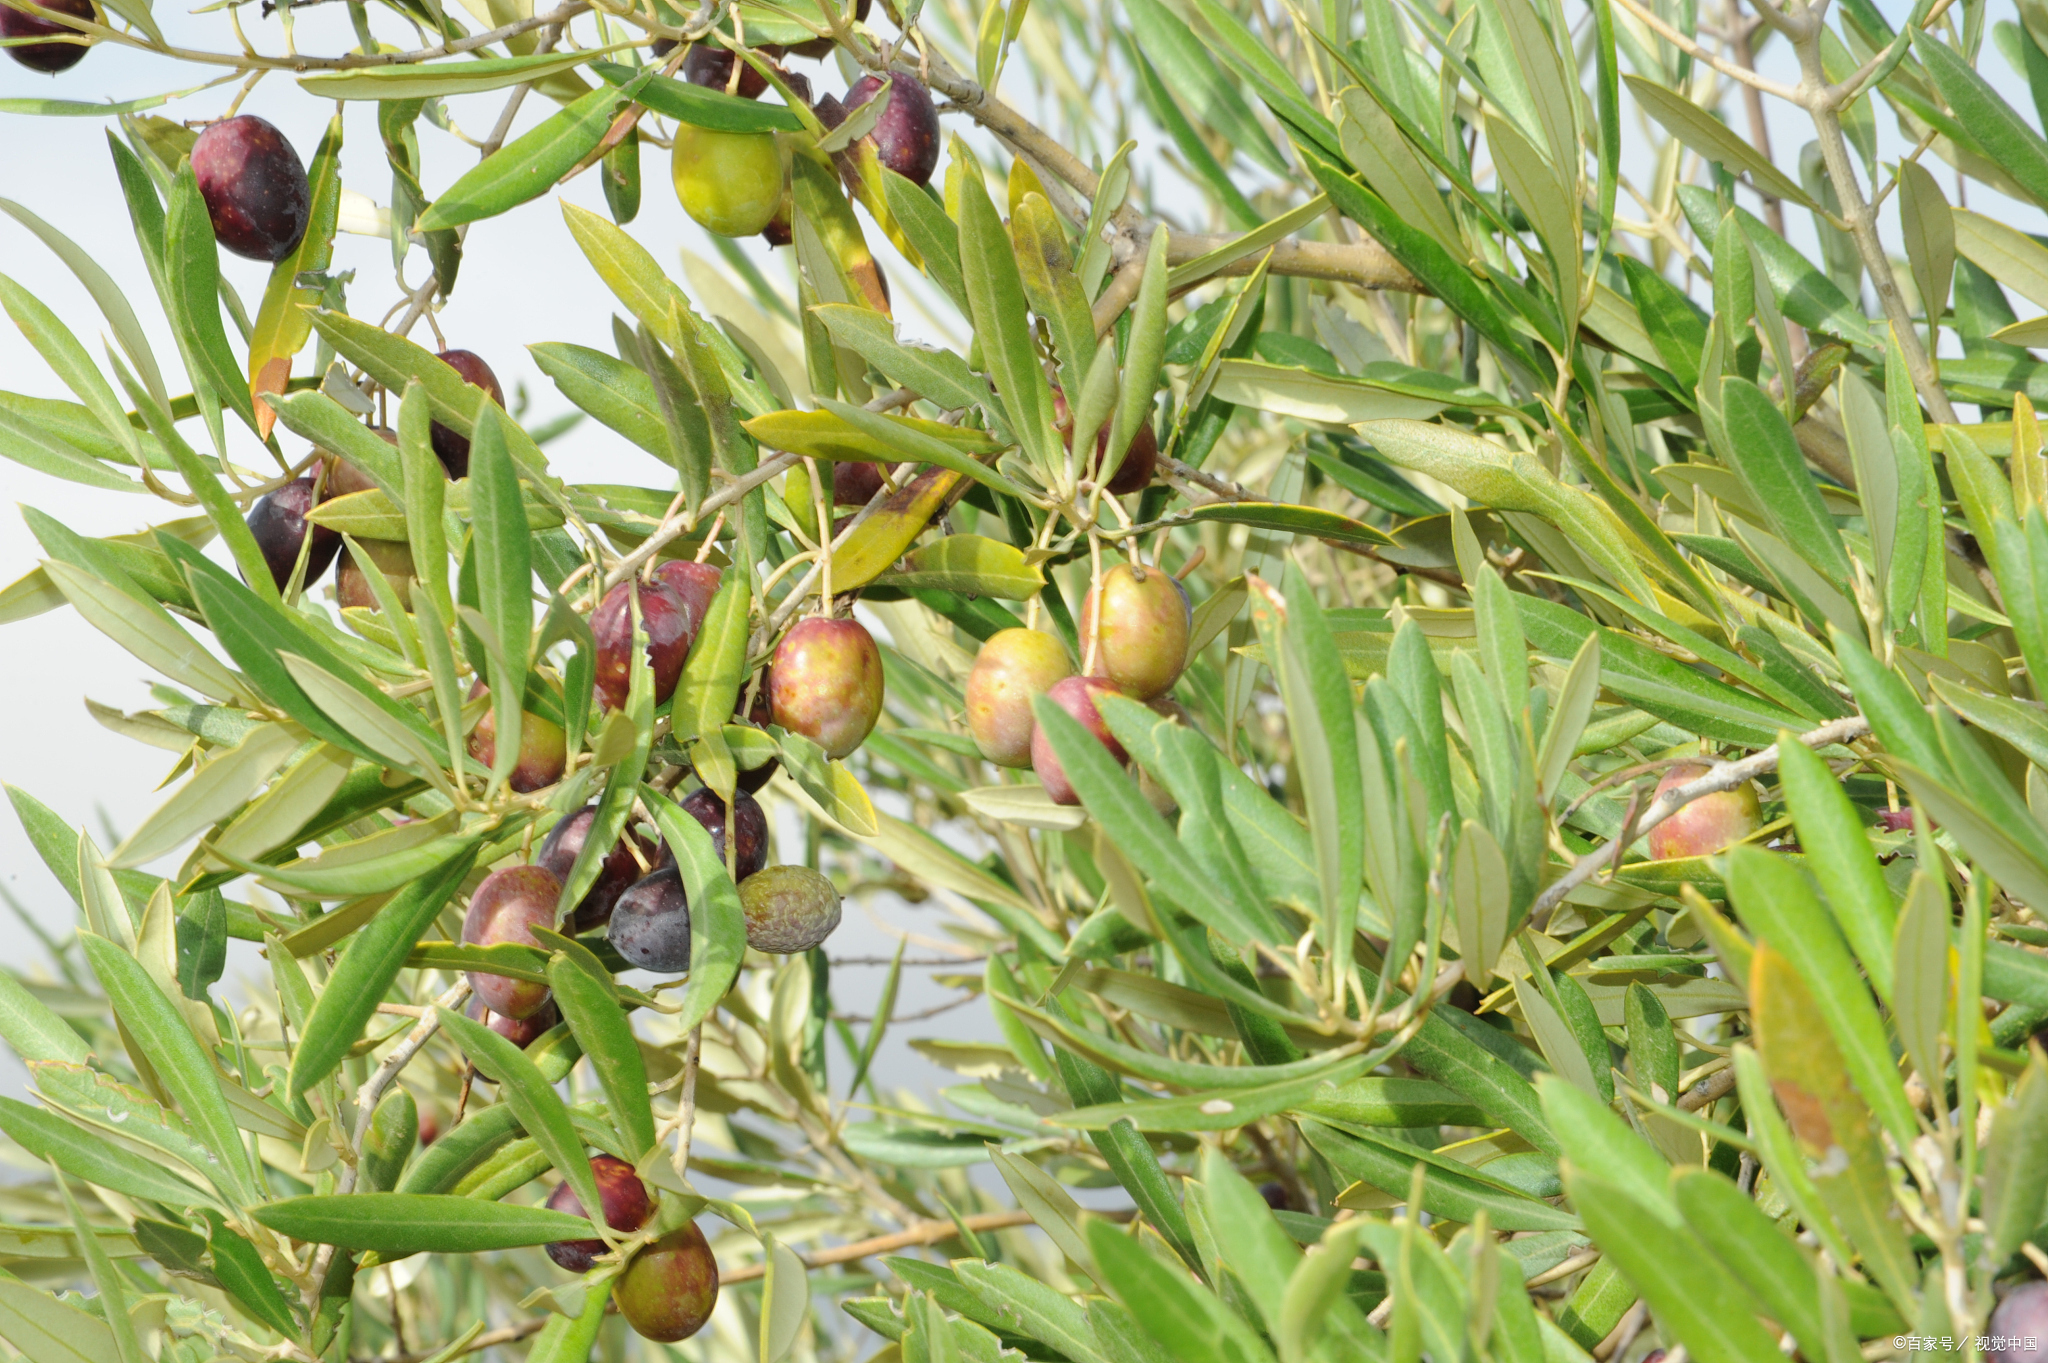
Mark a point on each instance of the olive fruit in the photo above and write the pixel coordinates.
(749, 826)
(2020, 1323)
(507, 907)
(1709, 824)
(730, 183)
(1144, 622)
(1013, 666)
(543, 747)
(778, 231)
(51, 57)
(694, 585)
(711, 67)
(452, 449)
(1141, 455)
(825, 682)
(626, 1209)
(254, 186)
(669, 629)
(789, 909)
(668, 1290)
(521, 1032)
(1077, 696)
(822, 47)
(650, 925)
(906, 137)
(392, 557)
(564, 843)
(856, 481)
(278, 524)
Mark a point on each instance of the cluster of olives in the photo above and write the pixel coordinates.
(737, 183)
(1138, 620)
(671, 1284)
(278, 520)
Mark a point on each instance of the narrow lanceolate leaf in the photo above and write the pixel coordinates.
(397, 1224)
(113, 303)
(593, 1012)
(281, 324)
(1839, 854)
(503, 549)
(541, 1110)
(995, 293)
(192, 272)
(529, 165)
(718, 929)
(366, 970)
(62, 351)
(82, 1154)
(32, 1030)
(221, 787)
(113, 1290)
(716, 668)
(435, 80)
(176, 1056)
(51, 1331)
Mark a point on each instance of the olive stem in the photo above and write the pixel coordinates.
(1721, 776)
(367, 1098)
(686, 1109)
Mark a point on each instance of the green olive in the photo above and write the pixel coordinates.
(731, 183)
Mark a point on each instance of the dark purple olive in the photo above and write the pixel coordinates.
(452, 449)
(749, 822)
(650, 925)
(2019, 1325)
(564, 843)
(660, 48)
(255, 187)
(711, 67)
(626, 1209)
(830, 111)
(49, 58)
(1275, 1194)
(278, 523)
(906, 137)
(856, 481)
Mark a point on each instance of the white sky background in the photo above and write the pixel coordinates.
(522, 280)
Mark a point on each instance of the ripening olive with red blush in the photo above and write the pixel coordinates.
(521, 1032)
(1012, 667)
(507, 907)
(906, 137)
(1710, 824)
(255, 187)
(669, 626)
(543, 747)
(749, 826)
(825, 682)
(650, 925)
(50, 57)
(279, 525)
(669, 1289)
(564, 843)
(694, 585)
(626, 1206)
(450, 448)
(1137, 622)
(1077, 696)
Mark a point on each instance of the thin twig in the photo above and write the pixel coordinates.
(1720, 776)
(918, 1233)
